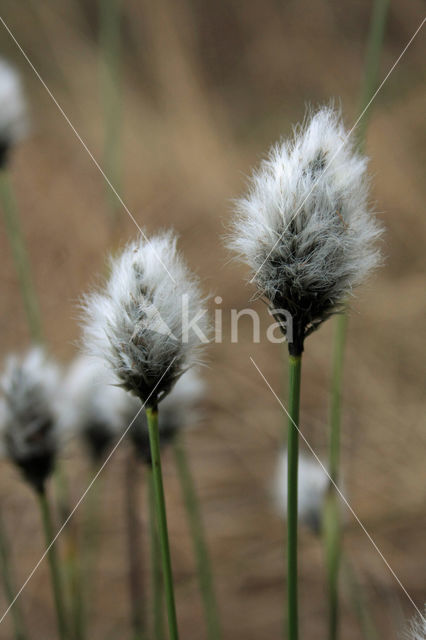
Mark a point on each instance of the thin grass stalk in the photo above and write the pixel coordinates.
(20, 256)
(19, 629)
(109, 38)
(359, 602)
(161, 518)
(155, 565)
(71, 558)
(134, 548)
(55, 572)
(295, 365)
(204, 570)
(374, 46)
(372, 62)
(89, 547)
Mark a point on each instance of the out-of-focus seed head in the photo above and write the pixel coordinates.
(312, 487)
(29, 414)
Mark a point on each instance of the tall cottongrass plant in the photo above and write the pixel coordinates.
(32, 438)
(136, 325)
(332, 530)
(307, 233)
(13, 128)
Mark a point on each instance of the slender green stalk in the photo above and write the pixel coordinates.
(20, 256)
(134, 548)
(20, 632)
(89, 547)
(109, 37)
(366, 622)
(332, 542)
(374, 46)
(55, 572)
(156, 577)
(71, 558)
(295, 365)
(331, 529)
(160, 507)
(205, 575)
(372, 60)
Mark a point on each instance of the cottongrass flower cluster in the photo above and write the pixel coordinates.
(13, 110)
(138, 322)
(313, 484)
(305, 228)
(29, 414)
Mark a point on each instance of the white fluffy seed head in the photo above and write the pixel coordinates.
(312, 487)
(93, 405)
(140, 323)
(305, 228)
(29, 414)
(179, 410)
(13, 110)
(417, 629)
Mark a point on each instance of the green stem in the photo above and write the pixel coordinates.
(109, 37)
(134, 548)
(9, 587)
(375, 41)
(372, 60)
(205, 575)
(53, 564)
(71, 559)
(332, 530)
(90, 546)
(332, 544)
(156, 577)
(341, 327)
(20, 256)
(160, 507)
(366, 622)
(295, 365)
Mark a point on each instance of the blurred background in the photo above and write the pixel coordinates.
(206, 88)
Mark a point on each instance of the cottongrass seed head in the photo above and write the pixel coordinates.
(13, 110)
(179, 410)
(141, 322)
(93, 405)
(29, 414)
(313, 484)
(305, 228)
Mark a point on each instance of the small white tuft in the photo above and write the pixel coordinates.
(140, 323)
(312, 484)
(13, 109)
(29, 413)
(305, 228)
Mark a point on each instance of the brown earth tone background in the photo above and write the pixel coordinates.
(207, 87)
